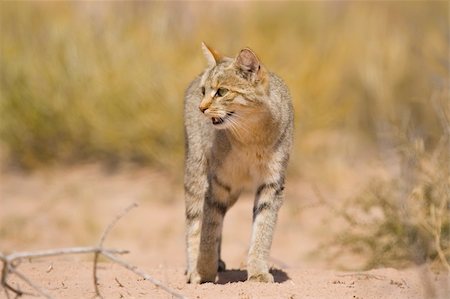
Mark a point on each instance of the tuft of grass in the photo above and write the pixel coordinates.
(403, 218)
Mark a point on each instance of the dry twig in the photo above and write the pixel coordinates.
(102, 240)
(31, 284)
(144, 275)
(11, 261)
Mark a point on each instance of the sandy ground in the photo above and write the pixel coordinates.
(68, 279)
(71, 207)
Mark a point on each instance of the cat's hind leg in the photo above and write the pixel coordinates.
(194, 213)
(195, 189)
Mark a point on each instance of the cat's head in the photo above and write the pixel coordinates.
(232, 88)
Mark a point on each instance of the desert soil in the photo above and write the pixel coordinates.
(71, 207)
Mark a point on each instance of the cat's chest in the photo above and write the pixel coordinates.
(243, 168)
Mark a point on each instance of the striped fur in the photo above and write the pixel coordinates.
(239, 127)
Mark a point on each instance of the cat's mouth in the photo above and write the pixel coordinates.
(220, 120)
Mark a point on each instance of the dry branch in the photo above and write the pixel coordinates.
(142, 274)
(11, 261)
(102, 240)
(54, 252)
(31, 284)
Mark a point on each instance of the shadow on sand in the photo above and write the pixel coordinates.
(237, 275)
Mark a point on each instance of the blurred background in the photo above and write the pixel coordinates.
(102, 83)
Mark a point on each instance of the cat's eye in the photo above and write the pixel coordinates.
(221, 92)
(203, 90)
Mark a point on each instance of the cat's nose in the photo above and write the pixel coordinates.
(204, 104)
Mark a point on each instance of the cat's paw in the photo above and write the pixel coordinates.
(207, 268)
(196, 278)
(193, 277)
(261, 277)
(209, 276)
(222, 267)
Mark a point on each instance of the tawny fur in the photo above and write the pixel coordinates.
(238, 130)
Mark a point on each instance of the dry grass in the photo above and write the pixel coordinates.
(105, 81)
(403, 217)
(397, 223)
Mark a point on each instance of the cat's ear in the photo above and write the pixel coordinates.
(212, 56)
(248, 62)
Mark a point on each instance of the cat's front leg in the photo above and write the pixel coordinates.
(268, 200)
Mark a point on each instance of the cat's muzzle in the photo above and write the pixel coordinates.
(221, 120)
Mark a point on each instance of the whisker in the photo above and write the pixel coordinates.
(239, 126)
(240, 120)
(236, 127)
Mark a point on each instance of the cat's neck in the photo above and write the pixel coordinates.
(254, 129)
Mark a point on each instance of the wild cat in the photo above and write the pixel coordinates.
(238, 129)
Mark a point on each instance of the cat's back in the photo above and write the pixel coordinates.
(280, 103)
(197, 128)
(279, 93)
(191, 100)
